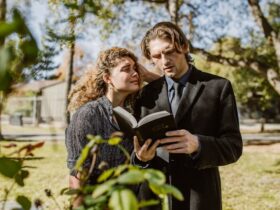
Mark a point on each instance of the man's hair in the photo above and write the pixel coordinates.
(166, 31)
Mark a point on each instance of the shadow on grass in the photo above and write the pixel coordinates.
(260, 142)
(276, 169)
(16, 140)
(28, 158)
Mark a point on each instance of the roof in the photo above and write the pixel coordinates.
(35, 86)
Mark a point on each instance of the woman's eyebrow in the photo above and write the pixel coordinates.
(126, 66)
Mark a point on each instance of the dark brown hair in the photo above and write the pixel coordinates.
(166, 31)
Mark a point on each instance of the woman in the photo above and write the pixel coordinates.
(114, 82)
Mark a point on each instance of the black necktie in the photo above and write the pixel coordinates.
(177, 96)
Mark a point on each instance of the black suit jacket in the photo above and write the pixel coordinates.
(208, 110)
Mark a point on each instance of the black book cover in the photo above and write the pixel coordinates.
(152, 126)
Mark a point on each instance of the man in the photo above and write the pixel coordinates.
(205, 112)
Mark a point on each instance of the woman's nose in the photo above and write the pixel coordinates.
(134, 73)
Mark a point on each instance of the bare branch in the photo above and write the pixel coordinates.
(261, 19)
(151, 1)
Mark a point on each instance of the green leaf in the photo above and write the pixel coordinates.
(24, 202)
(105, 175)
(84, 155)
(103, 188)
(142, 204)
(19, 178)
(6, 29)
(114, 141)
(173, 191)
(90, 201)
(131, 177)
(123, 199)
(120, 169)
(69, 191)
(166, 189)
(30, 51)
(154, 176)
(88, 189)
(9, 167)
(6, 57)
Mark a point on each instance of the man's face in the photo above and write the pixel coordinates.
(165, 57)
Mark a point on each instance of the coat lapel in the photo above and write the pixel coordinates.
(163, 98)
(190, 93)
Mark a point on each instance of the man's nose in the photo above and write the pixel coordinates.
(165, 59)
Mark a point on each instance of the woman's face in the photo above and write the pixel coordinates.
(124, 77)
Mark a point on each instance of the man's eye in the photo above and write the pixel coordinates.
(156, 56)
(170, 51)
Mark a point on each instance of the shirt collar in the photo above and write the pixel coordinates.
(183, 80)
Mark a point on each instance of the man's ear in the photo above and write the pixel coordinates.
(107, 78)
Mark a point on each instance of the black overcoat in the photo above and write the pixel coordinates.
(208, 110)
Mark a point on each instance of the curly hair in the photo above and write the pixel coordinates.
(166, 31)
(91, 85)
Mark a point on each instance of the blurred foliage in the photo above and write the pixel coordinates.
(15, 56)
(114, 186)
(253, 92)
(252, 89)
(45, 60)
(101, 15)
(12, 166)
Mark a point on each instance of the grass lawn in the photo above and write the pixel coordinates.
(253, 183)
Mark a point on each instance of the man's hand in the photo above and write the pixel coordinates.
(183, 142)
(146, 152)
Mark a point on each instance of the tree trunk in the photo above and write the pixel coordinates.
(173, 10)
(2, 41)
(70, 69)
(2, 17)
(69, 76)
(1, 105)
(276, 43)
(270, 34)
(273, 37)
(273, 78)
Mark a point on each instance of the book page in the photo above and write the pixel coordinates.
(152, 117)
(121, 113)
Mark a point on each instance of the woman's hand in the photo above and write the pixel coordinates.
(147, 76)
(146, 152)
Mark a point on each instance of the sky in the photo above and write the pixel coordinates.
(230, 18)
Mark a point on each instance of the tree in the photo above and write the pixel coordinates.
(253, 60)
(2, 41)
(44, 63)
(15, 56)
(77, 12)
(272, 36)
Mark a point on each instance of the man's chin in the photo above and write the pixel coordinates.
(170, 74)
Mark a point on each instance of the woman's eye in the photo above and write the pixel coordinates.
(125, 69)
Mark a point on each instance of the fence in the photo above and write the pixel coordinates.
(36, 109)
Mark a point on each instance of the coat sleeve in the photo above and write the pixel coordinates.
(82, 124)
(226, 147)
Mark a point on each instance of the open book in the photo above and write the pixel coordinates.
(152, 126)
